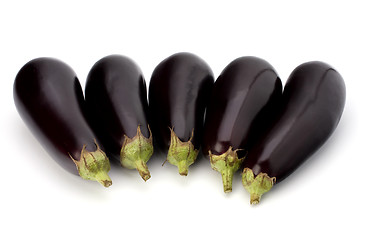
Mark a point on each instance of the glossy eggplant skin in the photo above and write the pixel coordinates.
(49, 98)
(245, 99)
(116, 100)
(246, 96)
(313, 102)
(179, 90)
(314, 98)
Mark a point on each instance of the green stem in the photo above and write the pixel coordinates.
(255, 198)
(141, 167)
(94, 166)
(135, 153)
(103, 178)
(227, 179)
(226, 164)
(256, 185)
(183, 168)
(181, 154)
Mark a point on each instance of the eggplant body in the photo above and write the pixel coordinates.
(245, 99)
(179, 90)
(313, 102)
(116, 100)
(49, 98)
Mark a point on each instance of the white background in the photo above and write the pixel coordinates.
(325, 198)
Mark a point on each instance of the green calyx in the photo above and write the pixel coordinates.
(181, 154)
(256, 185)
(94, 166)
(226, 164)
(136, 151)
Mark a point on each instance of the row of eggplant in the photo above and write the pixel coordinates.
(243, 120)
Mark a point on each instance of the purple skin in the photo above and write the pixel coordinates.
(313, 102)
(179, 90)
(49, 98)
(116, 100)
(246, 98)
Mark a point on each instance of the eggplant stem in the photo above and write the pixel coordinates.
(255, 198)
(136, 151)
(227, 179)
(141, 167)
(226, 164)
(103, 178)
(183, 168)
(181, 154)
(256, 185)
(94, 166)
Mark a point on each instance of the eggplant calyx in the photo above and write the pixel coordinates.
(257, 185)
(136, 151)
(94, 166)
(181, 154)
(226, 164)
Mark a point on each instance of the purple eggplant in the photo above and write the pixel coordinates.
(116, 100)
(50, 100)
(179, 90)
(313, 101)
(245, 99)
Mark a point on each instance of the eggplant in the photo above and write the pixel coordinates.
(246, 97)
(116, 100)
(179, 90)
(49, 98)
(313, 101)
